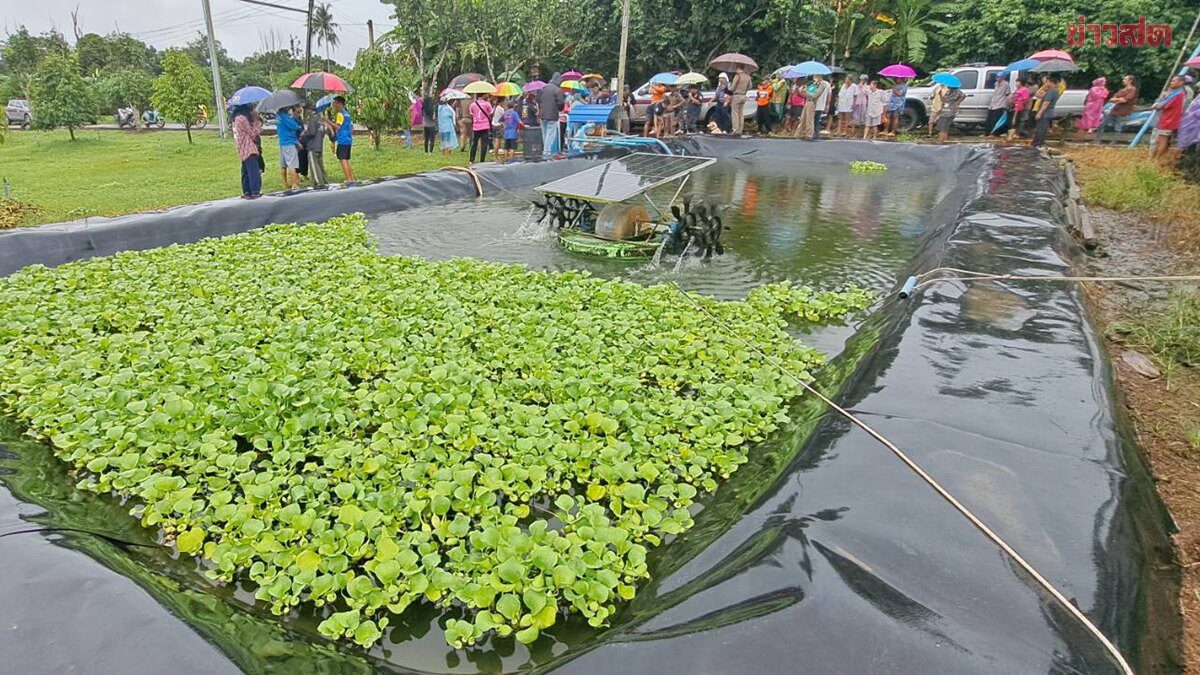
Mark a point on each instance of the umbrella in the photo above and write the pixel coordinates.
(480, 87)
(1192, 63)
(1047, 54)
(732, 60)
(1056, 66)
(449, 94)
(574, 85)
(572, 75)
(536, 85)
(464, 79)
(808, 68)
(508, 89)
(691, 78)
(1023, 64)
(1000, 122)
(323, 82)
(593, 76)
(324, 102)
(282, 98)
(247, 95)
(898, 70)
(948, 80)
(515, 77)
(665, 78)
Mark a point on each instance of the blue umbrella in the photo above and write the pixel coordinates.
(1023, 64)
(948, 80)
(664, 78)
(1000, 122)
(247, 95)
(325, 101)
(808, 68)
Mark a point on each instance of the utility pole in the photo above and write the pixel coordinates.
(308, 40)
(624, 49)
(216, 69)
(370, 33)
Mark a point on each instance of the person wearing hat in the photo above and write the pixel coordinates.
(722, 98)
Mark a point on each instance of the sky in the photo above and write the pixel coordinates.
(241, 28)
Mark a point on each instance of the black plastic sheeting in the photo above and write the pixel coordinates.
(823, 553)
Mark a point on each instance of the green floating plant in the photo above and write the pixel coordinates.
(867, 167)
(363, 432)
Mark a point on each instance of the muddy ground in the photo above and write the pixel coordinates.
(1166, 407)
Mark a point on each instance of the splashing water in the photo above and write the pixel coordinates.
(532, 228)
(684, 258)
(658, 253)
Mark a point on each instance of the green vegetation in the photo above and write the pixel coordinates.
(109, 173)
(1171, 336)
(867, 167)
(363, 432)
(382, 86)
(60, 96)
(181, 90)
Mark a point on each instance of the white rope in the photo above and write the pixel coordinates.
(929, 480)
(969, 275)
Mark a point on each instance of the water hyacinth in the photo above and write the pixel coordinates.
(363, 432)
(867, 167)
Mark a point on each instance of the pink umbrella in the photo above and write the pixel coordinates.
(572, 75)
(898, 70)
(535, 85)
(1192, 63)
(1047, 54)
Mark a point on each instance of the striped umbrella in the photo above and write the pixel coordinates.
(322, 81)
(508, 89)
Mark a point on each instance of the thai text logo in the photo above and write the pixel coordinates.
(1138, 34)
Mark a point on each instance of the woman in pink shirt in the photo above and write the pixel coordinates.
(1019, 115)
(246, 130)
(481, 127)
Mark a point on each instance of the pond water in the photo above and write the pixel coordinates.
(814, 225)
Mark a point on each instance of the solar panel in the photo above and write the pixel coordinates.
(625, 177)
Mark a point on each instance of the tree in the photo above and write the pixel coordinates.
(427, 31)
(181, 90)
(59, 96)
(324, 28)
(383, 87)
(22, 53)
(125, 87)
(903, 29)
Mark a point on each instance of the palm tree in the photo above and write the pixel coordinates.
(903, 28)
(325, 29)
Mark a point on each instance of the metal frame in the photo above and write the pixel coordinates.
(681, 176)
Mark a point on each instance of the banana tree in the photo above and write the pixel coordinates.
(902, 31)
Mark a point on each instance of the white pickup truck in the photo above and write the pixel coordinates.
(977, 82)
(641, 101)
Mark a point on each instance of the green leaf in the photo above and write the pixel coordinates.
(190, 541)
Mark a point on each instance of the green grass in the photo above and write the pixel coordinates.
(105, 173)
(1171, 336)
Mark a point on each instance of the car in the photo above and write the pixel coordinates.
(18, 112)
(978, 79)
(641, 100)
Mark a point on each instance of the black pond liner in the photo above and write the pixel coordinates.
(823, 553)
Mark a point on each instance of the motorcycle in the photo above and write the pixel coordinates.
(202, 118)
(152, 117)
(125, 118)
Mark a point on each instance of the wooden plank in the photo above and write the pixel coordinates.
(1086, 229)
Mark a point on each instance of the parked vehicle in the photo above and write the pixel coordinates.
(18, 112)
(152, 117)
(641, 101)
(978, 79)
(125, 118)
(202, 119)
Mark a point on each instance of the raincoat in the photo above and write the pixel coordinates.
(1093, 106)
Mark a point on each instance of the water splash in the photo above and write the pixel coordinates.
(683, 258)
(534, 229)
(658, 252)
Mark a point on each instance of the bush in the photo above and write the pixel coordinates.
(364, 432)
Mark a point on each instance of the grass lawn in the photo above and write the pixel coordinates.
(105, 173)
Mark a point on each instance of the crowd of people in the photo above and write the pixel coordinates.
(845, 106)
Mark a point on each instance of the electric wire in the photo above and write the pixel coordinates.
(931, 482)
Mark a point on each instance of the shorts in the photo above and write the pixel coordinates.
(510, 144)
(289, 157)
(797, 110)
(343, 151)
(944, 122)
(874, 120)
(1162, 133)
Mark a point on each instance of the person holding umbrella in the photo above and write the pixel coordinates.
(481, 127)
(950, 102)
(246, 131)
(342, 128)
(288, 129)
(997, 107)
(313, 139)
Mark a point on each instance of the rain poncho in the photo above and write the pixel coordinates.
(1189, 126)
(1093, 107)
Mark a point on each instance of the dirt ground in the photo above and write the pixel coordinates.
(1164, 408)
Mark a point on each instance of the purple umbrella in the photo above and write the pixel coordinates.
(572, 75)
(898, 70)
(535, 85)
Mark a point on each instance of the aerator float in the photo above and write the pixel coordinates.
(600, 211)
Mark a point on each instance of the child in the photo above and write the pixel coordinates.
(692, 105)
(667, 119)
(512, 127)
(447, 127)
(498, 126)
(876, 103)
(763, 114)
(342, 128)
(795, 107)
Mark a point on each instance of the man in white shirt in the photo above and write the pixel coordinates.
(822, 106)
